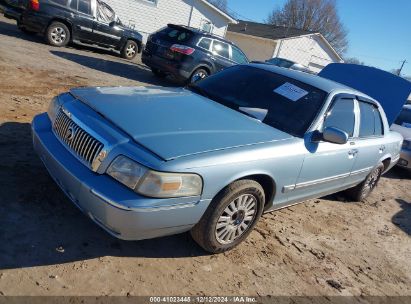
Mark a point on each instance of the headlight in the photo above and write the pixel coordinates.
(152, 183)
(54, 107)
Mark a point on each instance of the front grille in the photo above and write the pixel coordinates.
(85, 146)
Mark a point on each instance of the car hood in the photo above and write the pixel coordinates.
(388, 89)
(175, 122)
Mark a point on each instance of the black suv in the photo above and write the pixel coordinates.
(90, 22)
(189, 54)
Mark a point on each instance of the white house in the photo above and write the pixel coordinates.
(148, 16)
(263, 41)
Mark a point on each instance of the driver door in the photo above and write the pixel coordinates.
(327, 166)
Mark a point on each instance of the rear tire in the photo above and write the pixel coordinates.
(130, 50)
(198, 75)
(230, 217)
(363, 190)
(58, 34)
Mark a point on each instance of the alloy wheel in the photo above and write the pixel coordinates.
(236, 218)
(58, 35)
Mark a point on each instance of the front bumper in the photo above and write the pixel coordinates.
(405, 159)
(118, 210)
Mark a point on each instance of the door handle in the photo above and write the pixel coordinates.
(382, 148)
(353, 152)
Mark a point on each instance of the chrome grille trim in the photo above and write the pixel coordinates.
(81, 143)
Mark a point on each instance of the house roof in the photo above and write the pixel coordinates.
(266, 31)
(220, 11)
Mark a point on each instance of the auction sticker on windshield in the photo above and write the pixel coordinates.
(290, 91)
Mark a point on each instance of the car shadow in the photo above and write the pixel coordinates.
(403, 218)
(398, 173)
(11, 30)
(129, 70)
(40, 226)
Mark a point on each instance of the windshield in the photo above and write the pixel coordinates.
(404, 118)
(278, 101)
(281, 62)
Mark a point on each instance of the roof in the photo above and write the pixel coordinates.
(267, 31)
(220, 11)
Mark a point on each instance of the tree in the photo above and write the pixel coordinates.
(353, 60)
(221, 4)
(313, 15)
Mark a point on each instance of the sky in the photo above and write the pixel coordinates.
(379, 31)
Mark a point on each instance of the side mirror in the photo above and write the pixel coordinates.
(335, 136)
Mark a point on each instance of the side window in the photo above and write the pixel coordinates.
(84, 6)
(220, 48)
(73, 4)
(370, 120)
(238, 56)
(205, 43)
(341, 116)
(60, 2)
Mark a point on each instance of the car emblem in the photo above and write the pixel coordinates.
(70, 133)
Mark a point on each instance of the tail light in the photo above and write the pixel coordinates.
(34, 5)
(182, 49)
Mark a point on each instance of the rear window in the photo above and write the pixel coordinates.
(221, 49)
(176, 34)
(84, 6)
(370, 121)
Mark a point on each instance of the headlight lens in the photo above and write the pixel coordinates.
(152, 183)
(54, 107)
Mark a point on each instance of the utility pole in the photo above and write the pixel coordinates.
(402, 65)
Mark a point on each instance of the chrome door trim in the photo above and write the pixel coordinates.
(315, 182)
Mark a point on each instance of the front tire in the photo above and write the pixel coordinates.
(363, 190)
(58, 34)
(231, 216)
(130, 50)
(198, 75)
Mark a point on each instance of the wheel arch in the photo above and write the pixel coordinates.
(65, 22)
(265, 180)
(139, 43)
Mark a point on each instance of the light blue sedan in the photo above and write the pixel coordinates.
(145, 162)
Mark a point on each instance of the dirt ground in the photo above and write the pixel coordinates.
(47, 247)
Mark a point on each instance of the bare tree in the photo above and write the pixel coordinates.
(221, 4)
(353, 60)
(313, 15)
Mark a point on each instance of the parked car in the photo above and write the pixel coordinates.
(285, 63)
(189, 54)
(402, 125)
(212, 157)
(91, 22)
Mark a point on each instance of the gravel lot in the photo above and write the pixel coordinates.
(47, 247)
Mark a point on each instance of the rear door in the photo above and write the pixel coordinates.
(83, 20)
(220, 55)
(369, 144)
